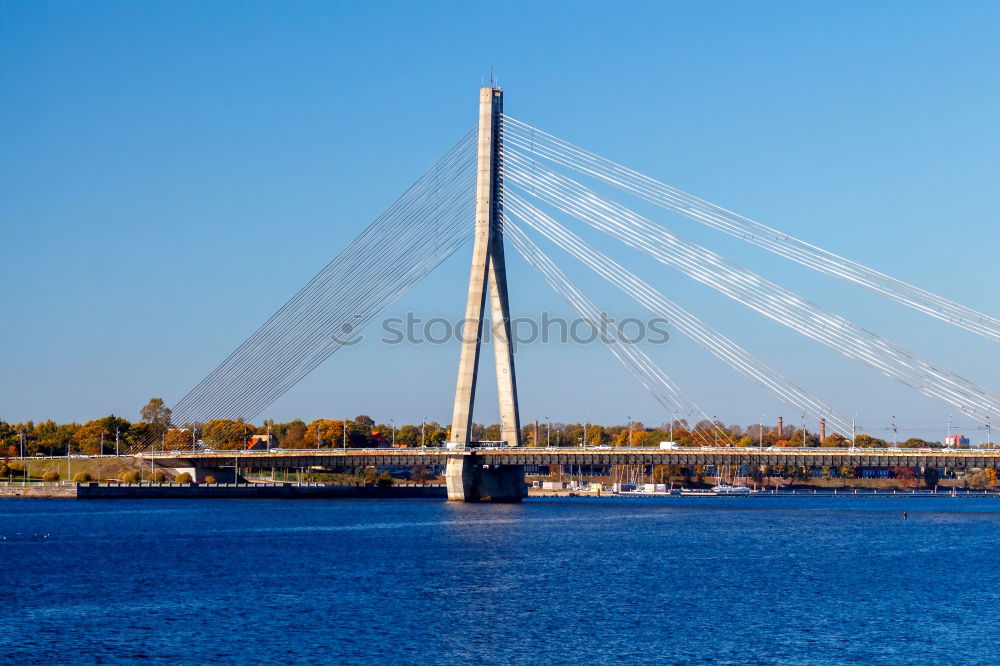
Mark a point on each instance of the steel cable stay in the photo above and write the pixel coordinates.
(303, 365)
(546, 146)
(428, 223)
(715, 343)
(367, 283)
(345, 267)
(637, 362)
(873, 358)
(301, 334)
(864, 345)
(257, 399)
(637, 289)
(337, 270)
(356, 309)
(349, 266)
(748, 288)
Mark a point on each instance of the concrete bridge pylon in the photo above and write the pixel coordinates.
(468, 481)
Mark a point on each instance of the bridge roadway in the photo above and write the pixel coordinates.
(686, 456)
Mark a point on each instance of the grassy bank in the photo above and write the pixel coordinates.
(103, 469)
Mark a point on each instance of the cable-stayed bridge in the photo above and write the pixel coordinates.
(507, 180)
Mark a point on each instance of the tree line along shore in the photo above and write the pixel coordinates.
(155, 429)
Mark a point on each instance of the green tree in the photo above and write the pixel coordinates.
(291, 435)
(226, 434)
(408, 435)
(138, 436)
(864, 441)
(179, 439)
(54, 438)
(977, 480)
(597, 436)
(797, 439)
(113, 426)
(87, 437)
(156, 415)
(435, 434)
(917, 443)
(836, 441)
(931, 477)
(327, 431)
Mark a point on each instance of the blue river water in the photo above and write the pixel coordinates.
(790, 580)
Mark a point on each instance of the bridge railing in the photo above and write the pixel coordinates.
(438, 451)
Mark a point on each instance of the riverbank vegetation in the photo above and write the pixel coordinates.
(155, 429)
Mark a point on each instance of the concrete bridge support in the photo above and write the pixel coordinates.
(220, 474)
(487, 274)
(199, 469)
(470, 480)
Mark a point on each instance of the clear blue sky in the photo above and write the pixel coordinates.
(172, 172)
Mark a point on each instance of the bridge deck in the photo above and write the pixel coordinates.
(591, 456)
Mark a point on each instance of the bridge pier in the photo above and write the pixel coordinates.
(220, 474)
(469, 479)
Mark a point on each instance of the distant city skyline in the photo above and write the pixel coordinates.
(174, 173)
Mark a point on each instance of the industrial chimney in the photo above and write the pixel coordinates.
(781, 428)
(822, 429)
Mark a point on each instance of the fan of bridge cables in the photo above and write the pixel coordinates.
(421, 229)
(435, 217)
(533, 169)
